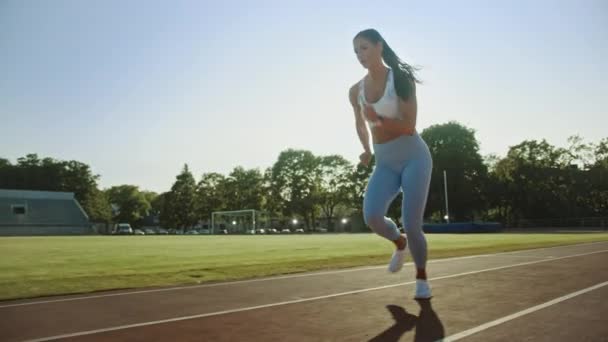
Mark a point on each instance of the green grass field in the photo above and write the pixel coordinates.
(37, 266)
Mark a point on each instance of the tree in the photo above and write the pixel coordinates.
(523, 177)
(30, 175)
(168, 216)
(132, 204)
(4, 163)
(157, 204)
(455, 149)
(539, 180)
(78, 178)
(577, 153)
(293, 184)
(333, 172)
(357, 184)
(150, 196)
(97, 205)
(597, 178)
(273, 205)
(243, 189)
(600, 154)
(180, 204)
(210, 195)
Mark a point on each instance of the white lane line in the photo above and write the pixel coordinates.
(357, 269)
(505, 319)
(526, 256)
(249, 308)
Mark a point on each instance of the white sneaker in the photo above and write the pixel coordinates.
(397, 260)
(423, 289)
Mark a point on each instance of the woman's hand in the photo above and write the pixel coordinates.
(365, 158)
(370, 114)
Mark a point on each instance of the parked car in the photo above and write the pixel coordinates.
(139, 232)
(260, 231)
(149, 231)
(192, 232)
(300, 230)
(285, 231)
(124, 229)
(162, 231)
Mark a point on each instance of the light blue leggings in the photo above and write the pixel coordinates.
(402, 164)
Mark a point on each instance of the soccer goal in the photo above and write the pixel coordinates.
(244, 221)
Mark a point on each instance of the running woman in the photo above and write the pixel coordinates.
(385, 100)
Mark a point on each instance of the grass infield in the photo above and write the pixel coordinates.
(40, 266)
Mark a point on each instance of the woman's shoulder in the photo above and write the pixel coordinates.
(354, 90)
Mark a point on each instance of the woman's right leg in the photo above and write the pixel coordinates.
(382, 188)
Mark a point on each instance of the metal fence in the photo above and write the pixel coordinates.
(572, 223)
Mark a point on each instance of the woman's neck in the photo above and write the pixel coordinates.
(377, 72)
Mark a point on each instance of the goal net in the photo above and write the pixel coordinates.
(245, 221)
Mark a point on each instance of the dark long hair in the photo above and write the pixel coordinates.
(404, 74)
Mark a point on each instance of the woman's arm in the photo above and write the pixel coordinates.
(405, 125)
(361, 127)
(409, 112)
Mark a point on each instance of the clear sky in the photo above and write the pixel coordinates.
(138, 88)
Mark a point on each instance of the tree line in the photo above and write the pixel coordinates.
(534, 180)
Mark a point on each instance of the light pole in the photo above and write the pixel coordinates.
(445, 187)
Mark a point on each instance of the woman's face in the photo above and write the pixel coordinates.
(367, 52)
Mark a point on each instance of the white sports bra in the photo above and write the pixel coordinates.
(387, 106)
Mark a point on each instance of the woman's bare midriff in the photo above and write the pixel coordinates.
(381, 136)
